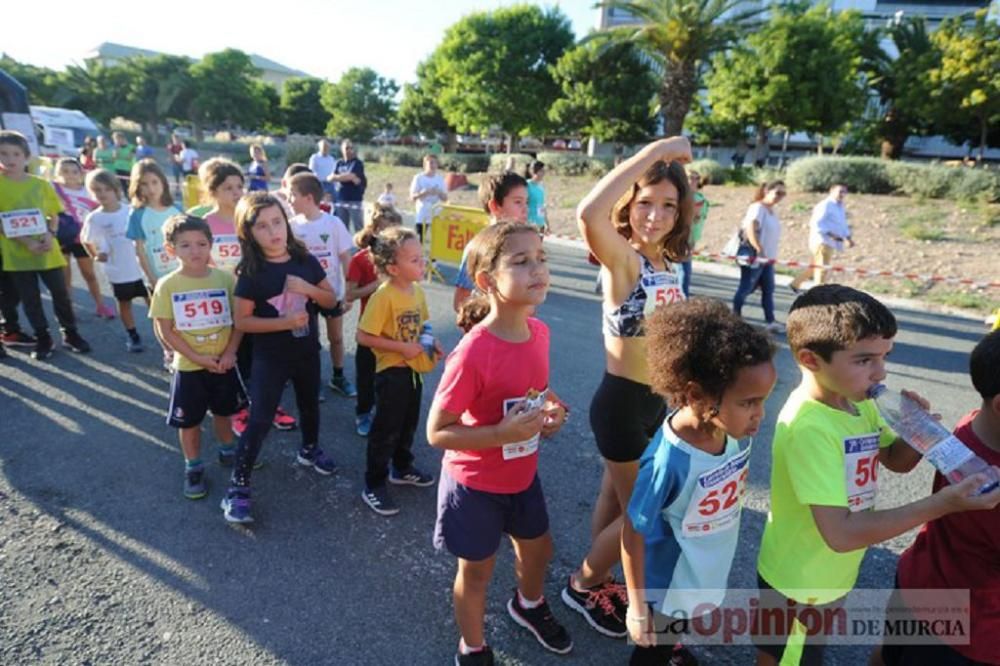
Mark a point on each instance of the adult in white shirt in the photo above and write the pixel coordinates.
(322, 163)
(426, 190)
(762, 229)
(828, 231)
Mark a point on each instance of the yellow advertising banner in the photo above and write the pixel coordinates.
(452, 228)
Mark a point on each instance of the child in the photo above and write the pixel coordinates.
(188, 159)
(192, 311)
(275, 269)
(104, 235)
(222, 179)
(492, 405)
(537, 214)
(503, 195)
(362, 281)
(387, 199)
(123, 156)
(678, 541)
(77, 203)
(258, 172)
(152, 206)
(427, 189)
(828, 441)
(29, 210)
(390, 327)
(697, 228)
(958, 552)
(326, 238)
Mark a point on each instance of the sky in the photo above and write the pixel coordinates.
(321, 38)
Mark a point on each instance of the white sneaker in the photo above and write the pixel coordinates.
(775, 327)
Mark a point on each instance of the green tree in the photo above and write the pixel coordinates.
(967, 83)
(301, 107)
(160, 87)
(419, 111)
(42, 83)
(681, 36)
(771, 80)
(226, 90)
(100, 91)
(272, 120)
(360, 104)
(607, 92)
(493, 69)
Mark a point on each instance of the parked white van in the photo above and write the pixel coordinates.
(62, 130)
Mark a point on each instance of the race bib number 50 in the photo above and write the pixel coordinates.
(861, 471)
(201, 310)
(25, 222)
(718, 498)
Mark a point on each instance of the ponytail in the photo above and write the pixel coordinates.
(472, 311)
(382, 217)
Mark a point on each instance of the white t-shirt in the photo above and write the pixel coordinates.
(425, 206)
(326, 238)
(322, 165)
(387, 199)
(768, 228)
(188, 156)
(106, 231)
(828, 217)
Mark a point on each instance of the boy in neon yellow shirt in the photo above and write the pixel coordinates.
(29, 217)
(828, 444)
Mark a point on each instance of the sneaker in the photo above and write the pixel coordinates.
(318, 460)
(410, 477)
(775, 327)
(73, 340)
(228, 459)
(540, 622)
(18, 339)
(194, 483)
(681, 656)
(105, 312)
(483, 657)
(239, 422)
(597, 606)
(379, 500)
(133, 344)
(343, 386)
(795, 290)
(43, 347)
(282, 420)
(363, 424)
(236, 506)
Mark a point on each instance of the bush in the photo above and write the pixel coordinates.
(498, 161)
(298, 150)
(712, 173)
(575, 164)
(464, 162)
(868, 175)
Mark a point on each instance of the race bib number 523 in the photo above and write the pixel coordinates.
(201, 310)
(718, 498)
(25, 222)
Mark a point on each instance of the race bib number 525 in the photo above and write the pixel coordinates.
(201, 310)
(24, 222)
(661, 289)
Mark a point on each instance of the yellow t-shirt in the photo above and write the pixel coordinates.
(35, 196)
(826, 457)
(202, 310)
(395, 314)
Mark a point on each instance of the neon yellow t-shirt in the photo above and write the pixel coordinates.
(37, 196)
(202, 310)
(826, 457)
(397, 315)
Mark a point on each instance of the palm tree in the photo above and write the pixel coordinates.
(679, 36)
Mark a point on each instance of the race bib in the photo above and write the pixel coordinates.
(226, 250)
(325, 258)
(661, 289)
(201, 310)
(24, 222)
(861, 471)
(717, 498)
(533, 400)
(161, 260)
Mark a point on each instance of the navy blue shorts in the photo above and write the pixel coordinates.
(471, 522)
(194, 392)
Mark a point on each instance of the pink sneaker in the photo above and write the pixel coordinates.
(105, 312)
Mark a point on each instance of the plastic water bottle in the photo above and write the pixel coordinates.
(925, 434)
(427, 339)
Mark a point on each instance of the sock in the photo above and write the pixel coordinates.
(338, 372)
(227, 448)
(529, 604)
(463, 648)
(193, 463)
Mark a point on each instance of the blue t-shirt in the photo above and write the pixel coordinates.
(255, 176)
(536, 200)
(686, 504)
(350, 191)
(462, 279)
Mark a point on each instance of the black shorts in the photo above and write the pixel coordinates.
(624, 416)
(764, 632)
(336, 311)
(76, 249)
(126, 291)
(194, 392)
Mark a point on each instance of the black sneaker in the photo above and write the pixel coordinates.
(43, 347)
(73, 340)
(380, 501)
(194, 483)
(483, 657)
(540, 622)
(598, 605)
(410, 477)
(18, 339)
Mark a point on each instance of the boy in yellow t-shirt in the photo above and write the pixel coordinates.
(828, 444)
(29, 217)
(192, 309)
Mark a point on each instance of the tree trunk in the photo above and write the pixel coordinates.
(982, 140)
(819, 144)
(760, 148)
(678, 88)
(784, 147)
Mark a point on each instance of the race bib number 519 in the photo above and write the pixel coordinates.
(201, 310)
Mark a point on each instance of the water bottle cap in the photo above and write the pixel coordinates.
(876, 390)
(427, 328)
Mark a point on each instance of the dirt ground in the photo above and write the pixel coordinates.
(897, 233)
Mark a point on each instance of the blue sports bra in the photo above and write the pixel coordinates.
(653, 289)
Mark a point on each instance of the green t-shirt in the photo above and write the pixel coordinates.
(698, 224)
(826, 457)
(36, 198)
(125, 155)
(105, 158)
(202, 310)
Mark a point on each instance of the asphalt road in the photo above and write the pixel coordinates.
(102, 561)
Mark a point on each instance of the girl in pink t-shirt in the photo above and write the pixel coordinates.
(491, 407)
(223, 180)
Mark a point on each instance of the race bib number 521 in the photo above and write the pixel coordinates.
(25, 222)
(201, 310)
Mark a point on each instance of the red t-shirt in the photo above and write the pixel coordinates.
(962, 551)
(483, 377)
(361, 271)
